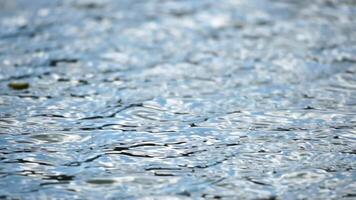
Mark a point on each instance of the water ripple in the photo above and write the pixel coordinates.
(177, 99)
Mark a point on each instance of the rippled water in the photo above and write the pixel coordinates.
(165, 99)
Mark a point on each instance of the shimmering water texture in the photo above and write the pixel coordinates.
(177, 99)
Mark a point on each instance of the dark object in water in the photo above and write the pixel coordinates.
(19, 85)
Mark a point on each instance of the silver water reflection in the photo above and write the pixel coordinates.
(206, 99)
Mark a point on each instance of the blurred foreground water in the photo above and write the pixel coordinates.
(168, 99)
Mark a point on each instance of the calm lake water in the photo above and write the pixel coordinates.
(177, 99)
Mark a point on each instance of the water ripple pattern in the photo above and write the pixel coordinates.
(177, 99)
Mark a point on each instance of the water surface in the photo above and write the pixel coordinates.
(168, 99)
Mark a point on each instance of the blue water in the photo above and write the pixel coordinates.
(168, 99)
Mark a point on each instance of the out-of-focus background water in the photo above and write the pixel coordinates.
(177, 99)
